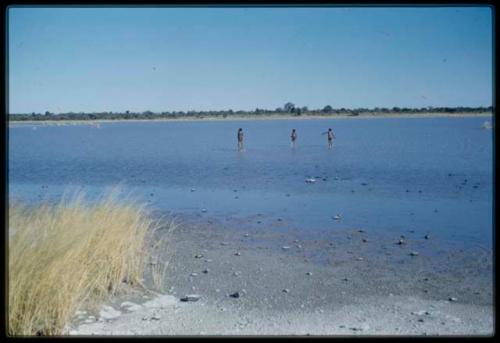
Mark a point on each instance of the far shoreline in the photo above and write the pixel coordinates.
(254, 117)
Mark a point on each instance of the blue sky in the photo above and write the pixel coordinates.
(180, 59)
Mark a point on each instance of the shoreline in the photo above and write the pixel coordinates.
(251, 118)
(285, 292)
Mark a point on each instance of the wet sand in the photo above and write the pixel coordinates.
(342, 282)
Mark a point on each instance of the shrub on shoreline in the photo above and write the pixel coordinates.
(63, 255)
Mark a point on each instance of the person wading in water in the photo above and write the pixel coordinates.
(293, 136)
(240, 139)
(331, 136)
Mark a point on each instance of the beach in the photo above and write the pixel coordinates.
(393, 236)
(253, 118)
(285, 288)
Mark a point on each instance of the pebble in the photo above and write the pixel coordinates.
(235, 295)
(208, 260)
(205, 271)
(130, 306)
(364, 240)
(401, 242)
(198, 256)
(359, 259)
(298, 246)
(414, 253)
(193, 189)
(309, 273)
(191, 297)
(237, 253)
(285, 290)
(285, 247)
(426, 236)
(337, 217)
(452, 299)
(194, 274)
(203, 210)
(224, 243)
(108, 312)
(246, 235)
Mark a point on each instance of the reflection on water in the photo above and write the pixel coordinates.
(429, 175)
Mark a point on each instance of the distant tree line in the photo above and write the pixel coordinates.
(288, 109)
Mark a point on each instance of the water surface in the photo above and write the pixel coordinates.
(428, 175)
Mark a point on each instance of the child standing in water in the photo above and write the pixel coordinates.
(240, 139)
(293, 136)
(331, 136)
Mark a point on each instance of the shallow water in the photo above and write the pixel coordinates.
(430, 175)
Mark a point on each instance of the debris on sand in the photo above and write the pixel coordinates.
(191, 297)
(311, 180)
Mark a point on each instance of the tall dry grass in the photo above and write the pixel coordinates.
(63, 255)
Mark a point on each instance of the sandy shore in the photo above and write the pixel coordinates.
(253, 117)
(345, 282)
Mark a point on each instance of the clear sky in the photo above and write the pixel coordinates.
(180, 59)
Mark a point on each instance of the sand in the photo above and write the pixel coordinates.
(252, 117)
(342, 283)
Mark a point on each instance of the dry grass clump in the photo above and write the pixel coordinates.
(63, 255)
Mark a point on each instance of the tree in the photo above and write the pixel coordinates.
(47, 113)
(327, 109)
(289, 107)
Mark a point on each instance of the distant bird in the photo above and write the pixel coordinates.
(444, 60)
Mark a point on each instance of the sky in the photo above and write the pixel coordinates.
(81, 59)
